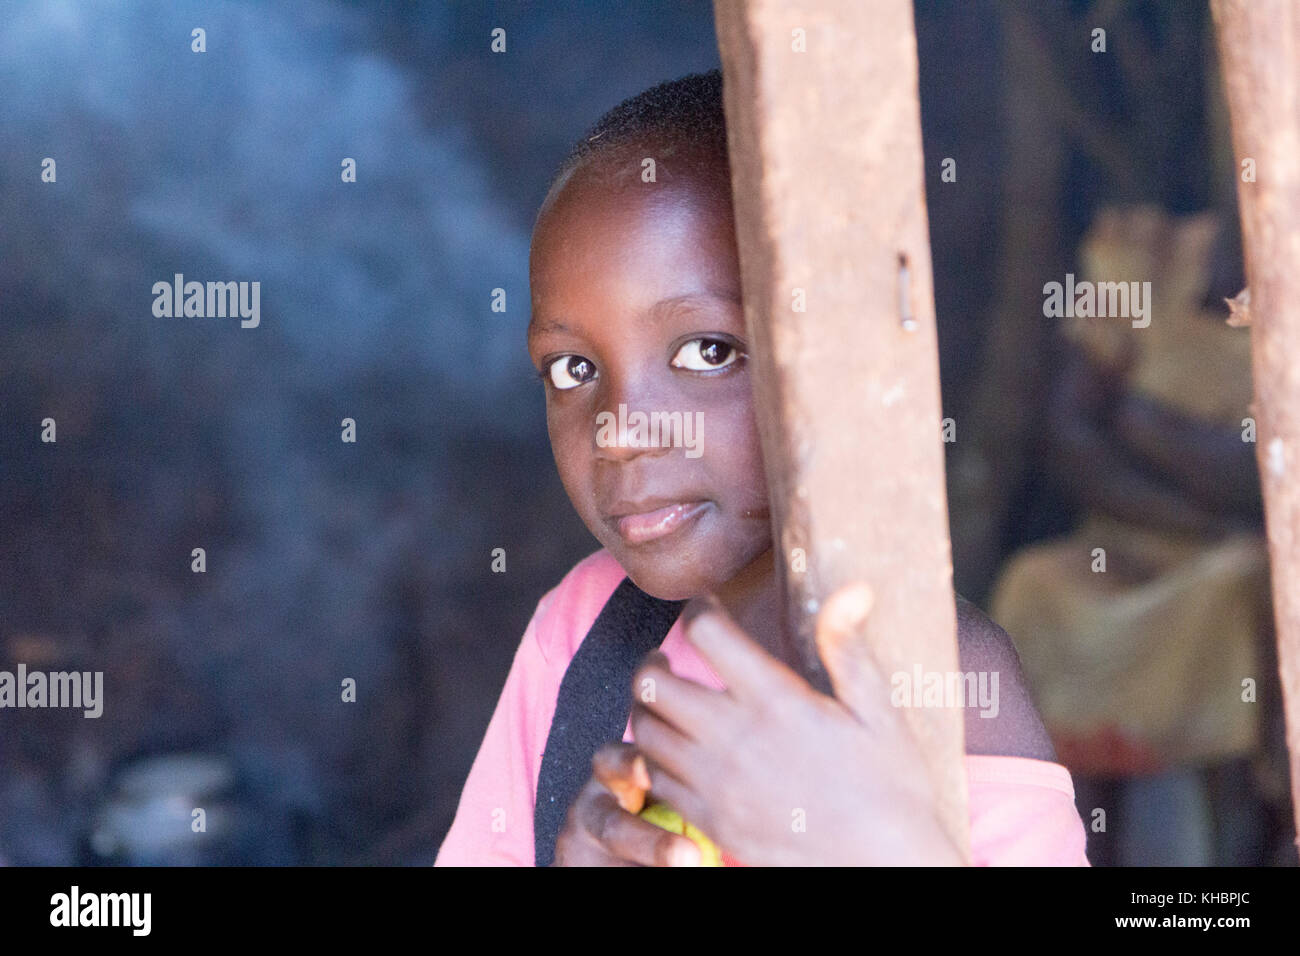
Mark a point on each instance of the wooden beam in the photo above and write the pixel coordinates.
(824, 130)
(1259, 47)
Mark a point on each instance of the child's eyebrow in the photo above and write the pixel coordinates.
(707, 297)
(543, 326)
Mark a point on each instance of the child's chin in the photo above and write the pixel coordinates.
(665, 583)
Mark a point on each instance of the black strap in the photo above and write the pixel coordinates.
(594, 702)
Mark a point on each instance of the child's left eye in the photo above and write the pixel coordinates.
(704, 355)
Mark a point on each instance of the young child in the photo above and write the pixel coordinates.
(636, 302)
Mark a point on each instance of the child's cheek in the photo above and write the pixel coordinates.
(572, 430)
(572, 448)
(731, 444)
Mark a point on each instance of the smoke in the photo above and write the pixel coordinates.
(228, 163)
(192, 432)
(325, 560)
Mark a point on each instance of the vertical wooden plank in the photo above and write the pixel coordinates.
(1259, 47)
(830, 205)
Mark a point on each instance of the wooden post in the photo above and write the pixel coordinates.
(1259, 47)
(824, 131)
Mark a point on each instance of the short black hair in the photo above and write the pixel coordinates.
(685, 111)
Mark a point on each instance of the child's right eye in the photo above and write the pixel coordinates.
(570, 371)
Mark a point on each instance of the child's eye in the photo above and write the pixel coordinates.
(570, 371)
(703, 355)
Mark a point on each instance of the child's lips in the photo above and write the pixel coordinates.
(639, 527)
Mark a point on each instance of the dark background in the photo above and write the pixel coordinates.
(328, 560)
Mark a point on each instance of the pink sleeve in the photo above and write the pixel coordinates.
(494, 820)
(493, 825)
(1022, 813)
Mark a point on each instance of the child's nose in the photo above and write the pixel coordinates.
(633, 400)
(624, 432)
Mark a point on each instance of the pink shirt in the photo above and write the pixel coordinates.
(1022, 811)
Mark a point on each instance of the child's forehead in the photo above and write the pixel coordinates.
(631, 173)
(608, 238)
(602, 211)
(629, 239)
(643, 275)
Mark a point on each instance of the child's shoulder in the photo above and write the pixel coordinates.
(566, 612)
(1015, 728)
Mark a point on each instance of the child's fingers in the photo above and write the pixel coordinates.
(625, 836)
(841, 643)
(668, 789)
(663, 744)
(747, 669)
(621, 769)
(690, 707)
(575, 846)
(581, 850)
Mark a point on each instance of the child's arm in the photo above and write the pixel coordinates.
(494, 820)
(1021, 802)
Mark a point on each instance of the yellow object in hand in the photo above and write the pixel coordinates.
(666, 818)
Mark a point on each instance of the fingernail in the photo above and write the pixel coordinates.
(852, 605)
(641, 773)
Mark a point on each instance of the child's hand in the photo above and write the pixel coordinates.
(603, 828)
(778, 774)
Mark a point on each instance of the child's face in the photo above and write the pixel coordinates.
(636, 302)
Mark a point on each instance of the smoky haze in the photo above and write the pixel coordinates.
(325, 560)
